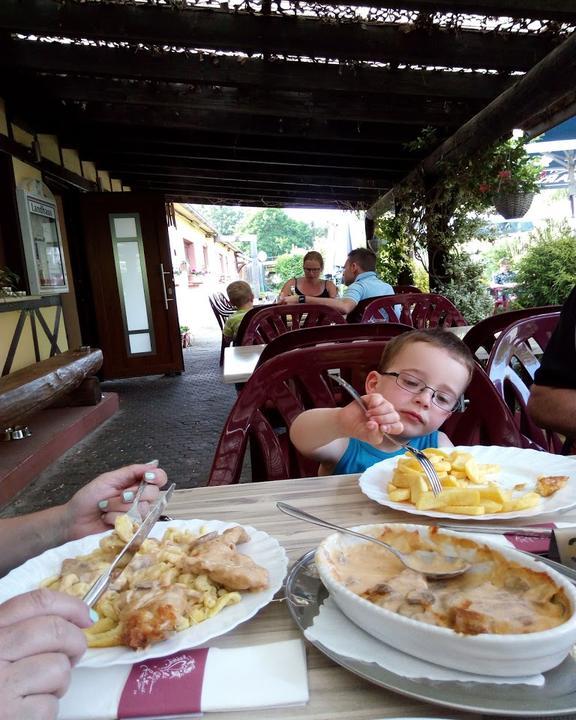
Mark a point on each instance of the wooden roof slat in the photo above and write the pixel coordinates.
(261, 102)
(238, 72)
(559, 10)
(250, 33)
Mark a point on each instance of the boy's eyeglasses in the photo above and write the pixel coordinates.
(444, 400)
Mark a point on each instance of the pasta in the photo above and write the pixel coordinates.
(170, 585)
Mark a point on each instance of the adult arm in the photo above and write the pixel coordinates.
(92, 509)
(552, 402)
(286, 290)
(332, 289)
(343, 305)
(322, 433)
(553, 408)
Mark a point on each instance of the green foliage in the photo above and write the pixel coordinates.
(289, 266)
(508, 168)
(547, 272)
(421, 278)
(277, 232)
(465, 287)
(224, 218)
(394, 254)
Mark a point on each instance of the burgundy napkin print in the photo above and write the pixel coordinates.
(170, 685)
(529, 543)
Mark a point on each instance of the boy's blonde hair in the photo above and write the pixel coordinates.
(438, 337)
(239, 293)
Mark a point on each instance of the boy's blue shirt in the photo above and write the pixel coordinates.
(360, 455)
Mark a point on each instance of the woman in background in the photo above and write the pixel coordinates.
(311, 284)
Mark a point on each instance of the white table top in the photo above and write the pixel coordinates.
(240, 361)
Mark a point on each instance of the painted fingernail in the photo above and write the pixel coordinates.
(127, 496)
(103, 504)
(152, 462)
(149, 476)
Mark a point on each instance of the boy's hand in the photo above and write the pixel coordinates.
(380, 417)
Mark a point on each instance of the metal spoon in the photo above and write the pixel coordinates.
(427, 562)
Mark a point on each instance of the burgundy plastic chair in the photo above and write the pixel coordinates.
(222, 309)
(482, 335)
(323, 334)
(271, 321)
(511, 366)
(420, 310)
(285, 385)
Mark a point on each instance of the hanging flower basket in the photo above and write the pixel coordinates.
(514, 204)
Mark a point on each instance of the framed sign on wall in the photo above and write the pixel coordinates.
(42, 239)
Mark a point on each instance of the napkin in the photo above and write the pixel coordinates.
(191, 682)
(332, 629)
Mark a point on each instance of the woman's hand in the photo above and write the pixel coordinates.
(94, 508)
(380, 417)
(40, 642)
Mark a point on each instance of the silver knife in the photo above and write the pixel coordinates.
(129, 550)
(500, 529)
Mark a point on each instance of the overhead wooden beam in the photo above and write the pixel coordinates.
(140, 64)
(274, 34)
(550, 80)
(179, 97)
(559, 10)
(133, 175)
(303, 202)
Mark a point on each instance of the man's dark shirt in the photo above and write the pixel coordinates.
(558, 366)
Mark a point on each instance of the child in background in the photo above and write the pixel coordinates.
(240, 295)
(419, 383)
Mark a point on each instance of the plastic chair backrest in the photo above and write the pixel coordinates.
(420, 310)
(221, 312)
(285, 385)
(511, 366)
(271, 321)
(322, 334)
(355, 316)
(482, 335)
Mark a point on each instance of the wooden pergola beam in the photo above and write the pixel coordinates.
(138, 64)
(558, 10)
(272, 34)
(550, 80)
(179, 97)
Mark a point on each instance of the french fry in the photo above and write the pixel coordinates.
(468, 487)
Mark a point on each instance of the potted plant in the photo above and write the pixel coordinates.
(512, 178)
(8, 281)
(185, 336)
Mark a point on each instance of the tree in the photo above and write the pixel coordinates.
(225, 219)
(288, 266)
(277, 232)
(547, 272)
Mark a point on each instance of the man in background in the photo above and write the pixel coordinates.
(552, 402)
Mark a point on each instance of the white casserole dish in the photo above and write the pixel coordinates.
(490, 654)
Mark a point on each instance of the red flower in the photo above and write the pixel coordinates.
(483, 187)
(505, 174)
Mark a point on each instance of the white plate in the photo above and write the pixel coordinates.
(262, 548)
(516, 466)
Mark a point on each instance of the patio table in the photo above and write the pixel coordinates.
(334, 692)
(240, 360)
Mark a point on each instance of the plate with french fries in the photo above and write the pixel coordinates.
(479, 482)
(215, 610)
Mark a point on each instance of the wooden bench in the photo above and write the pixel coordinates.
(45, 383)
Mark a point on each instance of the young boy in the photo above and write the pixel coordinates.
(419, 382)
(240, 295)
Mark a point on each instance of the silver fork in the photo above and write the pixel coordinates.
(133, 513)
(431, 474)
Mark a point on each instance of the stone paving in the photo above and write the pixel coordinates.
(175, 419)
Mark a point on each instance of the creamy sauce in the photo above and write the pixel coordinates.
(494, 596)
